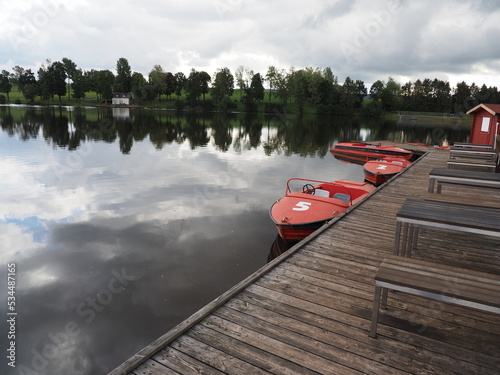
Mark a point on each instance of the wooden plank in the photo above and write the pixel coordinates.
(151, 367)
(194, 356)
(251, 354)
(355, 337)
(397, 339)
(279, 347)
(351, 349)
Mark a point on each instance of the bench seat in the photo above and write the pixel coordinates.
(470, 164)
(473, 153)
(416, 212)
(467, 201)
(472, 145)
(444, 283)
(462, 177)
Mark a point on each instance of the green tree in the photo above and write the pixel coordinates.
(17, 71)
(272, 77)
(222, 88)
(298, 87)
(70, 69)
(460, 97)
(104, 81)
(28, 85)
(256, 87)
(123, 79)
(376, 89)
(52, 80)
(79, 84)
(137, 84)
(180, 83)
(391, 95)
(44, 81)
(205, 80)
(349, 93)
(360, 92)
(157, 80)
(57, 74)
(441, 95)
(282, 85)
(149, 92)
(90, 79)
(170, 84)
(5, 85)
(240, 81)
(197, 84)
(254, 93)
(314, 79)
(407, 96)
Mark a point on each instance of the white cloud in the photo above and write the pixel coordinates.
(450, 38)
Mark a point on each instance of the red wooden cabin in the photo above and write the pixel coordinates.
(485, 125)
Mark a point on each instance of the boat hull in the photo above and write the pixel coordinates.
(298, 214)
(379, 171)
(295, 233)
(367, 151)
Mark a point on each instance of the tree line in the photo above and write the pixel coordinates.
(314, 87)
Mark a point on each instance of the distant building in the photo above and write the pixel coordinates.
(121, 98)
(485, 125)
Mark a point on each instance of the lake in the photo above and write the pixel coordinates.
(118, 224)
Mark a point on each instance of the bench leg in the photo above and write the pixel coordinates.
(405, 242)
(412, 239)
(375, 312)
(385, 292)
(432, 180)
(397, 238)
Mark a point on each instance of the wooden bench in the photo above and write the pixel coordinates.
(468, 201)
(460, 286)
(472, 145)
(472, 165)
(462, 178)
(473, 153)
(416, 212)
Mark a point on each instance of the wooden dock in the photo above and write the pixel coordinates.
(309, 310)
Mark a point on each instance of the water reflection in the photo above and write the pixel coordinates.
(278, 247)
(123, 226)
(277, 134)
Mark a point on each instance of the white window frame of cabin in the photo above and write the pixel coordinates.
(485, 125)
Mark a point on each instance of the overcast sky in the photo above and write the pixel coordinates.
(453, 40)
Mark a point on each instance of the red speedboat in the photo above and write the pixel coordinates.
(301, 211)
(379, 171)
(369, 151)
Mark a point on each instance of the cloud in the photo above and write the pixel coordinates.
(363, 40)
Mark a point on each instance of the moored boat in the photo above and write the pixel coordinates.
(300, 212)
(369, 151)
(379, 171)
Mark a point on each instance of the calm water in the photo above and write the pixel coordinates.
(122, 224)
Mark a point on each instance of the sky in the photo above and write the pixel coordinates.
(370, 40)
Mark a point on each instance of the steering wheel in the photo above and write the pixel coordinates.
(308, 189)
